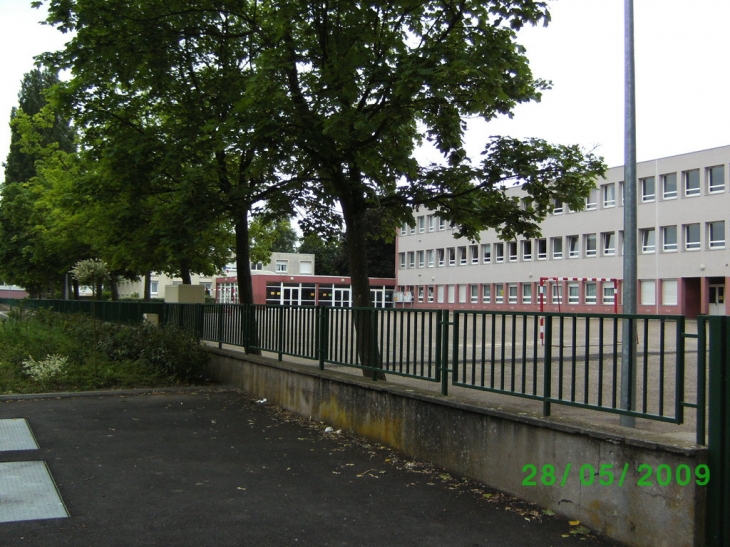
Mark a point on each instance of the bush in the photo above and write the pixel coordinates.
(97, 355)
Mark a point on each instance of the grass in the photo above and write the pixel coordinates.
(105, 356)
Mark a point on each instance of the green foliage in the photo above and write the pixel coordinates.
(92, 273)
(268, 236)
(126, 355)
(316, 107)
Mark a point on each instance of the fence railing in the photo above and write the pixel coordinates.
(565, 359)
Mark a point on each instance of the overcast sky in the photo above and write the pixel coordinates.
(681, 50)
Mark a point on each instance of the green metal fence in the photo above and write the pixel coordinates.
(565, 359)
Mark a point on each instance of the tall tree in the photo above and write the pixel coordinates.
(189, 65)
(29, 256)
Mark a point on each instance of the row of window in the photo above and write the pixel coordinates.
(668, 187)
(585, 292)
(572, 246)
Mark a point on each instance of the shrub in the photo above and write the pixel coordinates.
(40, 371)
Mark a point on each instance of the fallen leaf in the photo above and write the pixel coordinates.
(574, 522)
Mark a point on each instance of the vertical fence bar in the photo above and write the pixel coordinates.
(718, 442)
(443, 350)
(701, 376)
(547, 365)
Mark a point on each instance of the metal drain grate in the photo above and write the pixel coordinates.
(15, 434)
(27, 492)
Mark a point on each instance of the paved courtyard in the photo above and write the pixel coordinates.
(213, 467)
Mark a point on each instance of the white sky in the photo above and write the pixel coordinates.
(681, 50)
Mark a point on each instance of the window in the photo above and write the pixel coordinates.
(609, 293)
(716, 233)
(499, 293)
(590, 244)
(592, 200)
(669, 238)
(305, 267)
(648, 240)
(609, 195)
(411, 259)
(648, 189)
(462, 294)
(573, 293)
(440, 294)
(440, 253)
(716, 179)
(474, 297)
(557, 207)
(421, 259)
(451, 293)
(474, 253)
(413, 229)
(557, 293)
(153, 287)
(442, 224)
(257, 266)
(512, 246)
(527, 293)
(512, 294)
(590, 293)
(282, 266)
(421, 224)
(452, 256)
(403, 229)
(402, 260)
(691, 237)
(542, 249)
(669, 292)
(430, 258)
(527, 250)
(431, 221)
(648, 292)
(691, 182)
(669, 186)
(462, 256)
(420, 294)
(486, 253)
(557, 245)
(573, 249)
(486, 294)
(499, 252)
(609, 243)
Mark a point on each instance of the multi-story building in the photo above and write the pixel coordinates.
(683, 263)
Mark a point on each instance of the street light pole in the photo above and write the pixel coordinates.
(628, 347)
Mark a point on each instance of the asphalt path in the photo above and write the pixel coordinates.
(217, 468)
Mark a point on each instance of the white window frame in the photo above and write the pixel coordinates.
(421, 258)
(527, 250)
(441, 256)
(474, 253)
(451, 251)
(573, 293)
(486, 253)
(608, 292)
(402, 261)
(557, 254)
(591, 245)
(687, 177)
(590, 294)
(499, 293)
(608, 193)
(541, 248)
(648, 189)
(556, 293)
(512, 293)
(411, 259)
(608, 243)
(527, 293)
(592, 200)
(648, 240)
(669, 194)
(474, 294)
(486, 293)
(715, 186)
(499, 252)
(692, 243)
(573, 247)
(421, 225)
(282, 266)
(669, 247)
(713, 241)
(512, 250)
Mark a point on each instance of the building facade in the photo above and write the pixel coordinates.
(683, 216)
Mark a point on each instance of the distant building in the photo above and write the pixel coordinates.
(683, 215)
(11, 291)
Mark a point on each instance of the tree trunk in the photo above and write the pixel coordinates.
(185, 274)
(76, 289)
(364, 316)
(245, 283)
(114, 288)
(147, 290)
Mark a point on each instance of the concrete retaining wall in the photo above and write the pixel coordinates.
(493, 447)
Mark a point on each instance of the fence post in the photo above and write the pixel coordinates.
(442, 350)
(322, 333)
(280, 332)
(718, 441)
(220, 325)
(547, 366)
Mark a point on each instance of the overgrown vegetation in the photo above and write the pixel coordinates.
(46, 351)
